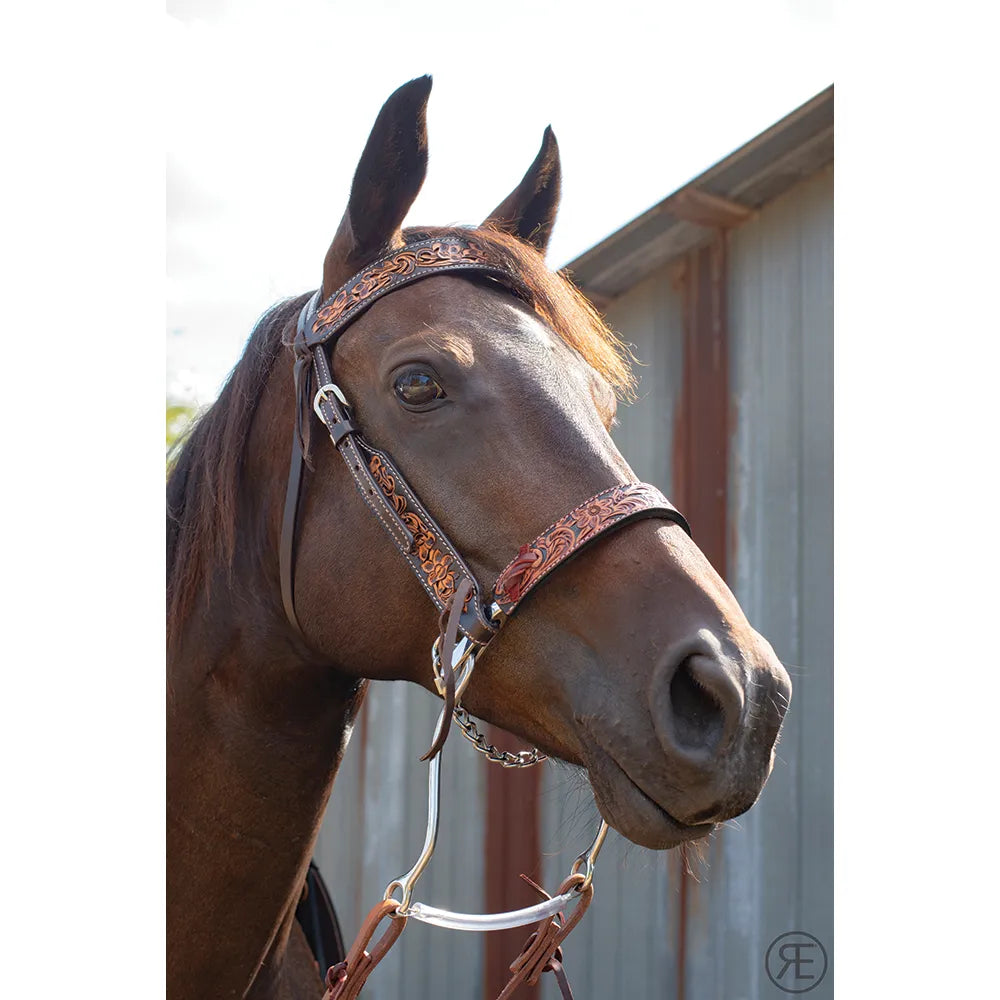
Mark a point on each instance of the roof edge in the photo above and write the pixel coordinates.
(725, 195)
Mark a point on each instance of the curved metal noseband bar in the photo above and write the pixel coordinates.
(434, 560)
(481, 922)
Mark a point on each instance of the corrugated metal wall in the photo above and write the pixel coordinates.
(775, 874)
(769, 872)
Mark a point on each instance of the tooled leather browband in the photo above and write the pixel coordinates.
(416, 534)
(420, 259)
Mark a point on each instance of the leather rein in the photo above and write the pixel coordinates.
(468, 623)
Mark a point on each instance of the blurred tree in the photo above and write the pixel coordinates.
(179, 418)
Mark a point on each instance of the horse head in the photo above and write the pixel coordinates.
(635, 661)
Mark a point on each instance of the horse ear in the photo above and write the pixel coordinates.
(390, 173)
(529, 211)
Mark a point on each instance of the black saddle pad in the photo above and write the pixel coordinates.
(318, 920)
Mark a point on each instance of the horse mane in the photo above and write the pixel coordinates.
(203, 486)
(205, 480)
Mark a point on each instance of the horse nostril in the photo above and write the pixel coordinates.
(705, 704)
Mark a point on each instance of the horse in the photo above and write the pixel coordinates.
(496, 397)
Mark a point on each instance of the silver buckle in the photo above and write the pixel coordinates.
(322, 394)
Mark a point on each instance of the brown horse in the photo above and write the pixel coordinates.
(633, 661)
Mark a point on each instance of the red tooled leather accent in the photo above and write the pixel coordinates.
(569, 534)
(516, 577)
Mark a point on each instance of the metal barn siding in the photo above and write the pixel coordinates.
(772, 871)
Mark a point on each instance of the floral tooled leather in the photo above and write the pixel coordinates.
(437, 567)
(401, 264)
(571, 533)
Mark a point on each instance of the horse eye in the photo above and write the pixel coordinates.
(417, 388)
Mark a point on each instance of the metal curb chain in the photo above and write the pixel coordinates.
(523, 758)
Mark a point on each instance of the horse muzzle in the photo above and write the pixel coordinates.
(716, 714)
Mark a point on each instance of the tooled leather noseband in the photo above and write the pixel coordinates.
(432, 557)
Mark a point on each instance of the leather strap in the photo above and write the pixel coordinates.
(449, 636)
(336, 415)
(286, 548)
(417, 260)
(542, 951)
(566, 538)
(345, 980)
(286, 551)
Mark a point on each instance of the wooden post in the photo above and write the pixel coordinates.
(701, 452)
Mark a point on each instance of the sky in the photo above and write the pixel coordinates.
(270, 104)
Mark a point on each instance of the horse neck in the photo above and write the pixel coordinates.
(255, 737)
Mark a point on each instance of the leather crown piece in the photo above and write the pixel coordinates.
(433, 559)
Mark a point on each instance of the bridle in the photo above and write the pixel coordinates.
(468, 624)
